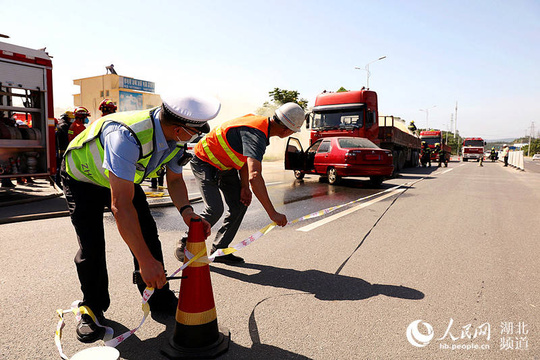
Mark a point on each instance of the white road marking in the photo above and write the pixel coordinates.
(444, 172)
(274, 183)
(347, 212)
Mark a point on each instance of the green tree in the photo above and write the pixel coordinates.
(280, 97)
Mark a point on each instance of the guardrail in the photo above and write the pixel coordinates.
(515, 159)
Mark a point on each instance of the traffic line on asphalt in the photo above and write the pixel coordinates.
(274, 183)
(444, 172)
(347, 212)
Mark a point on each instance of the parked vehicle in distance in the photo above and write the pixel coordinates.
(472, 148)
(338, 157)
(536, 157)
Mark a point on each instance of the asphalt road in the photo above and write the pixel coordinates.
(458, 251)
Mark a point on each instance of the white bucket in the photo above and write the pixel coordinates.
(97, 352)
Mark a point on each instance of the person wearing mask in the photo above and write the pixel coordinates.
(228, 162)
(79, 124)
(104, 167)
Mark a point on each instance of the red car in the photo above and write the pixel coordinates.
(337, 157)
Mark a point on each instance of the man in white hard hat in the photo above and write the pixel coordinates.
(228, 161)
(133, 146)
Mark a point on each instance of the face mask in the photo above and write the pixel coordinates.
(86, 121)
(183, 142)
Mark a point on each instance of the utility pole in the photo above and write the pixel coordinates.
(455, 124)
(530, 135)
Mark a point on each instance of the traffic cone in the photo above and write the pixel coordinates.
(196, 333)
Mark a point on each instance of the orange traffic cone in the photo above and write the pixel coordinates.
(196, 333)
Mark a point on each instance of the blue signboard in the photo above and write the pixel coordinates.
(135, 84)
(130, 101)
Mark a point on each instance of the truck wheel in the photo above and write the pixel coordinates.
(299, 174)
(465, 159)
(376, 180)
(401, 160)
(333, 177)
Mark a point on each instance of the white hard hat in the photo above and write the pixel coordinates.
(193, 110)
(291, 115)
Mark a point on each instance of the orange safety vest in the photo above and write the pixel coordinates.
(215, 149)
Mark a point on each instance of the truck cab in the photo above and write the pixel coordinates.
(355, 114)
(473, 148)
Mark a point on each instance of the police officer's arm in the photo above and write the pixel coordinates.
(179, 195)
(259, 189)
(122, 193)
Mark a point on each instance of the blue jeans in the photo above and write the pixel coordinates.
(212, 183)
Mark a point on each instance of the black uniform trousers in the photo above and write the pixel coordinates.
(86, 204)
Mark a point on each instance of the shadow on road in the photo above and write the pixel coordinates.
(325, 286)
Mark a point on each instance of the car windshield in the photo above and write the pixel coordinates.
(473, 143)
(339, 119)
(431, 140)
(352, 143)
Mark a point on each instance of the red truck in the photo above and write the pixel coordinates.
(473, 148)
(355, 114)
(27, 141)
(432, 137)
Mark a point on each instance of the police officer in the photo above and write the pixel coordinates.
(133, 146)
(228, 161)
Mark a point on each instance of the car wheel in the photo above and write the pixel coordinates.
(376, 180)
(333, 177)
(299, 174)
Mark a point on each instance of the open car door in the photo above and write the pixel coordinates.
(294, 155)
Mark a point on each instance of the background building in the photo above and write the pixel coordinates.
(127, 93)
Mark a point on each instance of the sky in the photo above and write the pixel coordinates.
(483, 56)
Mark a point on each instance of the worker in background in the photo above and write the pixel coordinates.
(425, 154)
(107, 107)
(228, 161)
(442, 155)
(104, 167)
(493, 154)
(412, 128)
(505, 154)
(78, 126)
(61, 137)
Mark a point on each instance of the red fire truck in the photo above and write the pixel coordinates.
(27, 141)
(355, 114)
(473, 148)
(432, 137)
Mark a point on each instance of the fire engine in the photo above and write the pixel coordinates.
(432, 137)
(473, 148)
(27, 141)
(356, 114)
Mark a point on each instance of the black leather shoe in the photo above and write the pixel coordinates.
(163, 301)
(88, 331)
